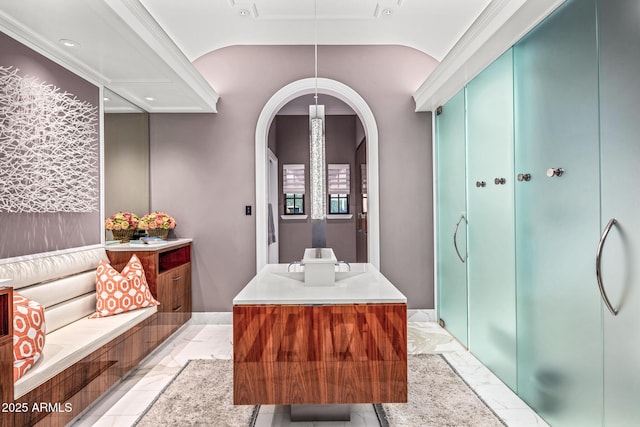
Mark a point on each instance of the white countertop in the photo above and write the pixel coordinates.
(363, 284)
(116, 247)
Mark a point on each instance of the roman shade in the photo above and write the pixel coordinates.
(293, 179)
(339, 179)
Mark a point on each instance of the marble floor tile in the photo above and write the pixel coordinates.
(126, 401)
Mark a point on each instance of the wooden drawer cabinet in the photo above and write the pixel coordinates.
(174, 295)
(173, 288)
(168, 272)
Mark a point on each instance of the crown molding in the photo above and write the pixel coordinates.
(50, 50)
(500, 25)
(138, 18)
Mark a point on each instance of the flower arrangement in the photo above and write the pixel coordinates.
(122, 221)
(157, 220)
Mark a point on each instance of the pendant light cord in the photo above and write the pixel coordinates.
(315, 19)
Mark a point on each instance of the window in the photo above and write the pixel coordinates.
(338, 188)
(293, 189)
(293, 204)
(338, 203)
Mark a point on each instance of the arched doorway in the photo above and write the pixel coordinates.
(271, 108)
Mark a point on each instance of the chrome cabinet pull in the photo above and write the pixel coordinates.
(603, 293)
(175, 279)
(481, 184)
(551, 172)
(455, 237)
(499, 181)
(526, 177)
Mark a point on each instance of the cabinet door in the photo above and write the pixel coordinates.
(620, 174)
(166, 294)
(174, 294)
(167, 297)
(450, 203)
(557, 217)
(182, 291)
(491, 270)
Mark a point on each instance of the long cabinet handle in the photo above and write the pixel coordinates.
(603, 293)
(455, 237)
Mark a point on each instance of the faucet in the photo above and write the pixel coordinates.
(344, 262)
(300, 263)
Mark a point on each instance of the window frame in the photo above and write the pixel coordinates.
(294, 197)
(339, 197)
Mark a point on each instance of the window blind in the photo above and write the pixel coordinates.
(293, 179)
(338, 179)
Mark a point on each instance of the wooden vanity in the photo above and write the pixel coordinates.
(295, 344)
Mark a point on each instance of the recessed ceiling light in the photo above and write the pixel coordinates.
(149, 98)
(69, 43)
(244, 12)
(106, 98)
(387, 12)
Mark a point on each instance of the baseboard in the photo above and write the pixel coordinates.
(421, 315)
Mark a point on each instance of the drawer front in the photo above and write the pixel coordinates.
(173, 285)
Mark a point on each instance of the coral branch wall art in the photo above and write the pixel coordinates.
(48, 150)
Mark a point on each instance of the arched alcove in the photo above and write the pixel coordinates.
(268, 113)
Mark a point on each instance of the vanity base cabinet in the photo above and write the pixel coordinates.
(319, 354)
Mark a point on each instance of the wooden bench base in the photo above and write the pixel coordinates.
(65, 396)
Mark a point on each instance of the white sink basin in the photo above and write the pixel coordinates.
(319, 267)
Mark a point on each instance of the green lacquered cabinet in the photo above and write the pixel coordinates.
(619, 41)
(451, 228)
(491, 262)
(557, 217)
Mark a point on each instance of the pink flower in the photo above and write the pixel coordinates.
(155, 220)
(121, 220)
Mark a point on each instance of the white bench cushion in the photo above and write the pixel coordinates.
(74, 342)
(65, 284)
(26, 271)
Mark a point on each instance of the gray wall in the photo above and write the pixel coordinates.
(203, 166)
(126, 164)
(292, 135)
(27, 233)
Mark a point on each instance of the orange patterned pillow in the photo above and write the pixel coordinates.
(29, 334)
(120, 292)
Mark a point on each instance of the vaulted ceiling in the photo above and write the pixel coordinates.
(142, 50)
(200, 26)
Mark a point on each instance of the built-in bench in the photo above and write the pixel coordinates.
(82, 357)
